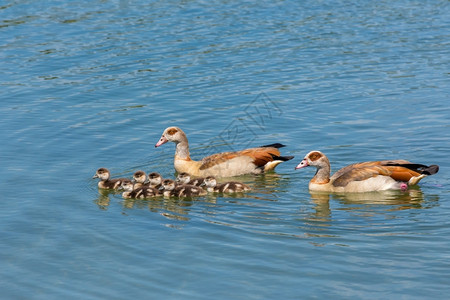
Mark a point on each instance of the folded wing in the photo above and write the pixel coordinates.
(399, 170)
(259, 156)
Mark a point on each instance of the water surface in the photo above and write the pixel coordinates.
(89, 85)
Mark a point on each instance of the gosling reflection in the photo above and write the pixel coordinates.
(174, 209)
(103, 200)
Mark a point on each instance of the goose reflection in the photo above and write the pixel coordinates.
(392, 200)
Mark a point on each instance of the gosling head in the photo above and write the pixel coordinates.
(102, 173)
(183, 178)
(168, 185)
(210, 182)
(127, 185)
(154, 179)
(140, 176)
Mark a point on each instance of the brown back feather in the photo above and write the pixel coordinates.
(366, 170)
(261, 156)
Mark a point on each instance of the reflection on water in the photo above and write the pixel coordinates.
(103, 201)
(333, 214)
(95, 86)
(397, 200)
(270, 183)
(171, 208)
(320, 213)
(392, 200)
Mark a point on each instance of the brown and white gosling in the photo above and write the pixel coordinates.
(140, 179)
(227, 187)
(185, 178)
(105, 181)
(155, 180)
(131, 192)
(183, 190)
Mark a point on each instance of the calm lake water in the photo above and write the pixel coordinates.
(89, 84)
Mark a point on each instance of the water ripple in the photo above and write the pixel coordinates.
(89, 86)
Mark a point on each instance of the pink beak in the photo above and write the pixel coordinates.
(302, 164)
(161, 141)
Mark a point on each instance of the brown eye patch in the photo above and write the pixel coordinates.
(315, 156)
(172, 131)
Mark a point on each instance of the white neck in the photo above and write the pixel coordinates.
(182, 150)
(323, 174)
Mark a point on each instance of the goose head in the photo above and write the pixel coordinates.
(314, 158)
(171, 134)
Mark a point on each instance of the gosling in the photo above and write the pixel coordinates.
(105, 181)
(131, 192)
(227, 187)
(185, 178)
(180, 191)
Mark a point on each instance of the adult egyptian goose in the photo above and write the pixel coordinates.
(226, 187)
(105, 181)
(365, 176)
(249, 161)
(171, 189)
(185, 178)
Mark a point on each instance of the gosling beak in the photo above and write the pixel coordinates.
(302, 164)
(161, 141)
(95, 176)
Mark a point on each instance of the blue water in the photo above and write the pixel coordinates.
(89, 84)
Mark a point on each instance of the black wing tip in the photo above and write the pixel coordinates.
(422, 169)
(430, 170)
(275, 145)
(282, 158)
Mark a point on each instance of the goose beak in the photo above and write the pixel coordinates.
(302, 164)
(161, 141)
